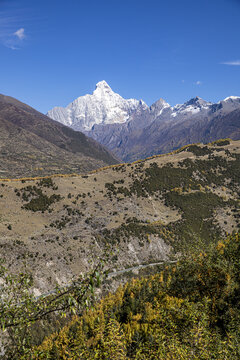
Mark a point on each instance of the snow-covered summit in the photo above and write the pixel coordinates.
(230, 103)
(104, 106)
(232, 98)
(103, 85)
(192, 106)
(159, 106)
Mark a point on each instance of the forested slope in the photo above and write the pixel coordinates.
(190, 310)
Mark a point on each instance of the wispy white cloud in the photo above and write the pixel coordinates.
(231, 63)
(198, 82)
(12, 35)
(20, 33)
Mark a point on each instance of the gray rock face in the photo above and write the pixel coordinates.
(132, 130)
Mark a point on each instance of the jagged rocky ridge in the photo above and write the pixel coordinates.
(132, 130)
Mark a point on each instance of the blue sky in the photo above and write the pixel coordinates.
(53, 51)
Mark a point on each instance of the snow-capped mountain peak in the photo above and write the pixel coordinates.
(232, 99)
(159, 106)
(104, 106)
(192, 106)
(102, 84)
(102, 89)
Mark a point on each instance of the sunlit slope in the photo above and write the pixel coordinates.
(144, 211)
(189, 310)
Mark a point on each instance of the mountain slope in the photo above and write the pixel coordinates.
(186, 311)
(32, 144)
(161, 137)
(161, 129)
(143, 211)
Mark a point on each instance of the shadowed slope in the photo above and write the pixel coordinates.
(30, 140)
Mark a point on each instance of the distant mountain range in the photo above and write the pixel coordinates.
(132, 130)
(31, 144)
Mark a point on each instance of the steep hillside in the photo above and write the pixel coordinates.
(32, 144)
(145, 211)
(160, 128)
(161, 137)
(189, 310)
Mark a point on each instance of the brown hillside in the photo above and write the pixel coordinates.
(142, 210)
(32, 144)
